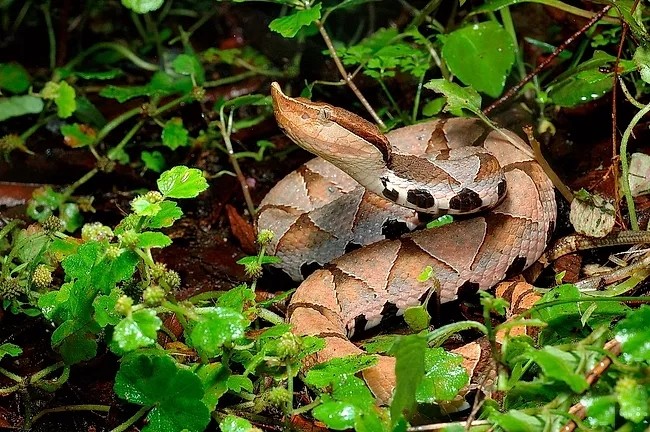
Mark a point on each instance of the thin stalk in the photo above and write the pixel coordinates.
(226, 130)
(113, 124)
(121, 49)
(46, 371)
(71, 408)
(131, 420)
(50, 34)
(625, 167)
(67, 193)
(346, 77)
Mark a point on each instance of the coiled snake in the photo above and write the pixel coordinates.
(442, 166)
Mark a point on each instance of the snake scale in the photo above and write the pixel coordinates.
(442, 166)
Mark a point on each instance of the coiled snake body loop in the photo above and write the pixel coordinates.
(455, 165)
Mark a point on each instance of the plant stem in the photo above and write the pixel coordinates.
(50, 34)
(70, 189)
(71, 408)
(131, 420)
(346, 77)
(46, 371)
(625, 181)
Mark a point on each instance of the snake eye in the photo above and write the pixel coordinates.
(324, 114)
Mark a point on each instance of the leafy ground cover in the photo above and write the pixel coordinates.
(137, 139)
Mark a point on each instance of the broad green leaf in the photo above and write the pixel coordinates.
(142, 206)
(161, 84)
(99, 75)
(417, 318)
(601, 410)
(481, 56)
(63, 95)
(232, 423)
(137, 331)
(634, 333)
(214, 378)
(76, 136)
(187, 64)
(174, 134)
(642, 61)
(444, 376)
(14, 78)
(215, 327)
(633, 399)
(560, 365)
(289, 25)
(154, 160)
(515, 421)
(458, 98)
(16, 106)
(588, 81)
(104, 308)
(153, 239)
(74, 342)
(9, 349)
(182, 182)
(155, 380)
(142, 6)
(238, 299)
(324, 374)
(337, 415)
(169, 213)
(409, 371)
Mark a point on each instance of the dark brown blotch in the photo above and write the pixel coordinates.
(389, 311)
(466, 200)
(502, 188)
(467, 290)
(516, 267)
(360, 323)
(421, 198)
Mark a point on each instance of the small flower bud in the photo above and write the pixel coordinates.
(253, 269)
(264, 237)
(42, 277)
(113, 251)
(158, 270)
(153, 197)
(171, 279)
(96, 232)
(129, 239)
(53, 224)
(10, 289)
(124, 305)
(289, 346)
(279, 397)
(153, 295)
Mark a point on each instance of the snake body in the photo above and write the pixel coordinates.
(453, 165)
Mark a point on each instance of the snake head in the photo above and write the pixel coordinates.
(339, 136)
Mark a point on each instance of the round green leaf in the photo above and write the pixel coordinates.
(182, 182)
(480, 55)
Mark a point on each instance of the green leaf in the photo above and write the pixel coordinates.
(440, 221)
(215, 327)
(417, 318)
(559, 365)
(169, 213)
(182, 182)
(14, 78)
(634, 333)
(409, 371)
(137, 331)
(633, 399)
(237, 299)
(324, 374)
(16, 106)
(480, 55)
(445, 376)
(153, 239)
(161, 84)
(154, 160)
(75, 342)
(142, 6)
(337, 415)
(9, 349)
(458, 98)
(231, 423)
(601, 410)
(588, 81)
(76, 137)
(104, 308)
(63, 95)
(515, 421)
(174, 135)
(99, 75)
(142, 206)
(187, 64)
(214, 378)
(289, 25)
(155, 380)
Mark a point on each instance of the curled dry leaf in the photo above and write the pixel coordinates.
(639, 177)
(242, 230)
(592, 215)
